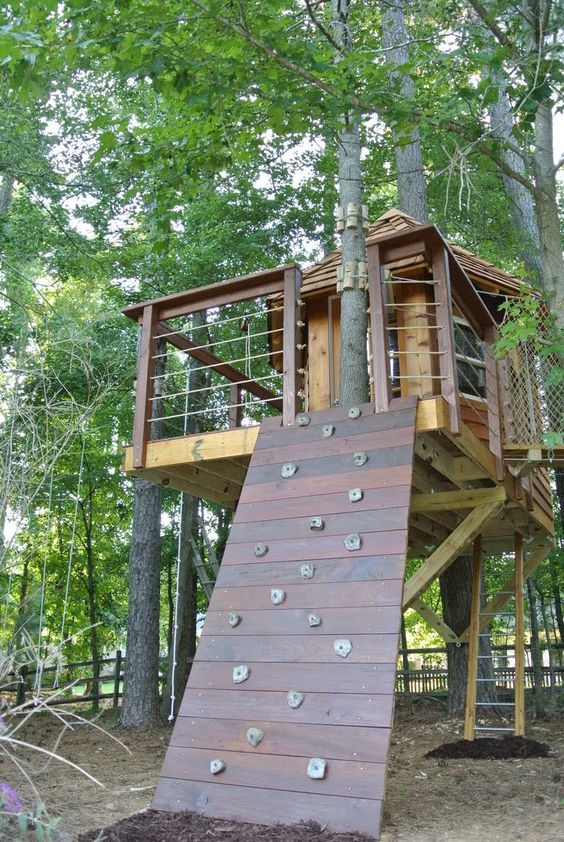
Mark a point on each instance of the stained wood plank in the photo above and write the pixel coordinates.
(298, 649)
(287, 621)
(363, 569)
(310, 594)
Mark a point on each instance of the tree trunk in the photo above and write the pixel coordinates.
(536, 654)
(412, 190)
(557, 597)
(6, 192)
(91, 592)
(353, 376)
(544, 615)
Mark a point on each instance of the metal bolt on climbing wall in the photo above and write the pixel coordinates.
(240, 674)
(352, 542)
(354, 412)
(360, 458)
(234, 620)
(260, 550)
(277, 595)
(355, 494)
(288, 470)
(316, 523)
(316, 768)
(327, 430)
(314, 620)
(307, 571)
(302, 420)
(342, 647)
(295, 698)
(255, 736)
(217, 766)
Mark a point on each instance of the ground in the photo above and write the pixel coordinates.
(427, 800)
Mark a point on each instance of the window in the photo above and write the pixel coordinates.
(470, 361)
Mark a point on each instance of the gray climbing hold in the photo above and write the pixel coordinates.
(277, 595)
(255, 736)
(217, 766)
(316, 768)
(360, 458)
(342, 647)
(240, 674)
(288, 470)
(234, 620)
(327, 430)
(295, 698)
(302, 420)
(354, 412)
(316, 523)
(307, 571)
(355, 494)
(260, 550)
(352, 542)
(314, 620)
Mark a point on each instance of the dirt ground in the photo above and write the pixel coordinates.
(427, 799)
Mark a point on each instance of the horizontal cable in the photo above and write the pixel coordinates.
(214, 387)
(429, 327)
(222, 322)
(415, 353)
(211, 345)
(414, 304)
(400, 279)
(214, 365)
(214, 409)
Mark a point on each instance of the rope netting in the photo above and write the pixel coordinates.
(534, 403)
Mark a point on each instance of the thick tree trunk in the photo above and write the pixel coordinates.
(548, 636)
(536, 654)
(6, 192)
(557, 597)
(412, 190)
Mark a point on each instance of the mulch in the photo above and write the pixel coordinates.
(491, 748)
(156, 826)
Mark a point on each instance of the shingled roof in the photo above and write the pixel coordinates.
(486, 276)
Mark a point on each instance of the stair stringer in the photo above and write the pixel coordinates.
(346, 714)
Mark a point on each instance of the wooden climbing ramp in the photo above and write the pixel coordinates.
(289, 705)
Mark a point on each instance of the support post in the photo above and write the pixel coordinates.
(378, 324)
(235, 412)
(470, 715)
(493, 401)
(117, 680)
(445, 336)
(291, 338)
(519, 639)
(144, 388)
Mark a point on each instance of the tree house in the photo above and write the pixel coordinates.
(289, 703)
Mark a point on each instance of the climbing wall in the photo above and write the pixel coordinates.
(289, 704)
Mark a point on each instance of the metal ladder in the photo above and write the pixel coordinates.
(480, 619)
(207, 573)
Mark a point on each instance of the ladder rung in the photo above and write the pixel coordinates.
(486, 679)
(486, 728)
(497, 614)
(500, 593)
(495, 704)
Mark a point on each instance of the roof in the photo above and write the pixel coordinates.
(324, 274)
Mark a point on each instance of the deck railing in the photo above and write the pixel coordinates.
(205, 357)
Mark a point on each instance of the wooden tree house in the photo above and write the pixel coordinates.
(289, 703)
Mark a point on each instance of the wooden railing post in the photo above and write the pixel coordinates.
(235, 409)
(378, 324)
(445, 337)
(144, 388)
(493, 401)
(291, 339)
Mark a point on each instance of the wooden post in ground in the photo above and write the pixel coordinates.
(473, 641)
(117, 680)
(519, 639)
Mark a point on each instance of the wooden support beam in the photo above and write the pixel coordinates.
(449, 500)
(445, 335)
(493, 400)
(470, 714)
(450, 549)
(434, 621)
(519, 638)
(471, 446)
(433, 454)
(186, 450)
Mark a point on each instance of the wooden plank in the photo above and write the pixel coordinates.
(310, 594)
(364, 569)
(450, 549)
(417, 339)
(451, 500)
(144, 385)
(432, 414)
(294, 621)
(470, 711)
(318, 353)
(372, 709)
(493, 400)
(473, 448)
(445, 335)
(346, 742)
(265, 807)
(434, 621)
(378, 323)
(309, 678)
(519, 638)
(197, 448)
(291, 401)
(339, 523)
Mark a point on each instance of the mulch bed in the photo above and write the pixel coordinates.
(492, 748)
(155, 826)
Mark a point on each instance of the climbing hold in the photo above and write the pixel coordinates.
(316, 768)
(288, 470)
(240, 674)
(295, 698)
(360, 458)
(217, 766)
(316, 523)
(260, 550)
(234, 620)
(354, 412)
(314, 620)
(327, 430)
(277, 595)
(307, 571)
(355, 494)
(342, 647)
(255, 736)
(352, 542)
(302, 420)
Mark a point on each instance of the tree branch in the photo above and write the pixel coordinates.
(317, 23)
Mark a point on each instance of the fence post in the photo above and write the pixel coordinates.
(22, 686)
(117, 680)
